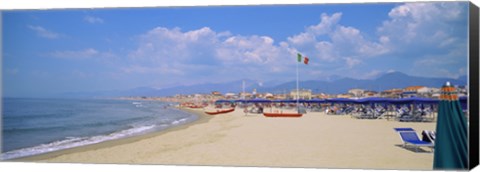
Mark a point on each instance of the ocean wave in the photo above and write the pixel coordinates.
(71, 142)
(74, 126)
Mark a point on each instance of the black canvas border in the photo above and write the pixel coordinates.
(473, 85)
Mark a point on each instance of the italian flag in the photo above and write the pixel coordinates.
(305, 60)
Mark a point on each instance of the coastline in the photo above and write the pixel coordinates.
(315, 140)
(202, 118)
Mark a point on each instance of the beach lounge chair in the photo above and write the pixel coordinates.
(403, 129)
(428, 136)
(410, 137)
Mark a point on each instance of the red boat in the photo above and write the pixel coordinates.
(282, 114)
(220, 111)
(195, 106)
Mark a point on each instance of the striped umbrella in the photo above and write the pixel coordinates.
(451, 143)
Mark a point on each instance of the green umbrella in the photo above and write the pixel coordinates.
(451, 143)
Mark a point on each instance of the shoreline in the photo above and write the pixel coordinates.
(202, 118)
(315, 140)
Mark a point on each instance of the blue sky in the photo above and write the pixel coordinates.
(53, 51)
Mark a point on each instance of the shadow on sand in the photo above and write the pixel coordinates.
(414, 149)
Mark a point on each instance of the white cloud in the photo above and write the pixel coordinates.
(326, 25)
(93, 20)
(165, 69)
(204, 48)
(161, 45)
(373, 74)
(454, 57)
(80, 54)
(391, 71)
(431, 36)
(327, 51)
(331, 46)
(302, 39)
(445, 73)
(330, 41)
(424, 24)
(350, 41)
(351, 62)
(42, 32)
(250, 50)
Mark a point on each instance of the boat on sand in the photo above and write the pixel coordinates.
(266, 114)
(196, 106)
(219, 111)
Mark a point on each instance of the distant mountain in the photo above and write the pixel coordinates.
(331, 78)
(400, 80)
(334, 85)
(206, 88)
(384, 82)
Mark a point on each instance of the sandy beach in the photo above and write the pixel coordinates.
(314, 140)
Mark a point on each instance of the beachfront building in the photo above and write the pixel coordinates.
(427, 92)
(413, 88)
(356, 92)
(261, 95)
(370, 94)
(411, 91)
(245, 95)
(268, 96)
(280, 96)
(345, 95)
(392, 93)
(230, 96)
(216, 94)
(462, 90)
(321, 96)
(302, 93)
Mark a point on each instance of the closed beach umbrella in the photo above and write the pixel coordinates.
(451, 143)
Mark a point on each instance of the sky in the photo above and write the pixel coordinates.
(54, 51)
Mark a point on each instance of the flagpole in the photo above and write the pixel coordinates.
(298, 96)
(243, 97)
(243, 89)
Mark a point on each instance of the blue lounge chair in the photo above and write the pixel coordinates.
(403, 129)
(409, 136)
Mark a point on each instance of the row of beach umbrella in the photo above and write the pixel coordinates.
(368, 100)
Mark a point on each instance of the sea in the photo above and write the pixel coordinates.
(32, 126)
